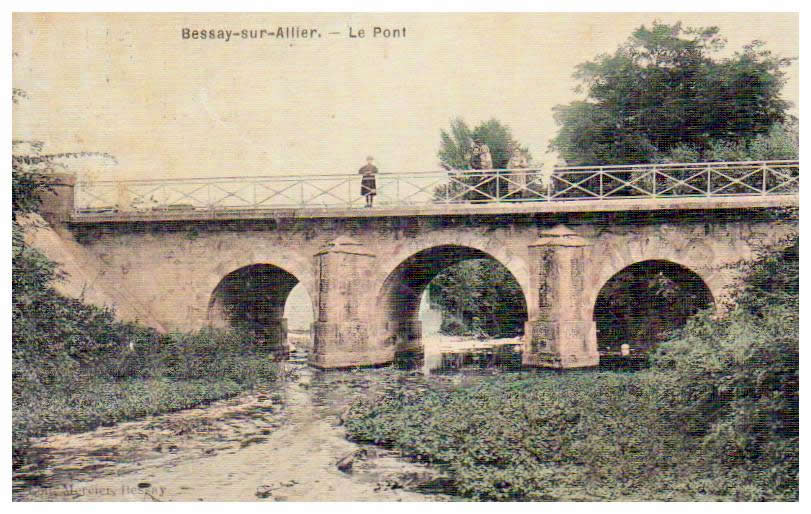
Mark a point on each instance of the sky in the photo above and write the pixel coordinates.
(130, 85)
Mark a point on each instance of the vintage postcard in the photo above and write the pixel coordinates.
(388, 257)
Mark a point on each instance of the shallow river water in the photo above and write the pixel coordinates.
(280, 444)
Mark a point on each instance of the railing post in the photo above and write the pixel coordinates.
(76, 190)
(765, 174)
(709, 181)
(602, 190)
(498, 187)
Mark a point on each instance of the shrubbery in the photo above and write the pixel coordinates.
(119, 371)
(715, 417)
(553, 437)
(479, 297)
(739, 374)
(208, 354)
(75, 367)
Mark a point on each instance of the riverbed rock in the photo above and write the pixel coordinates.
(264, 491)
(345, 463)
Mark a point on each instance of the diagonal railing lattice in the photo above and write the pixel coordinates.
(586, 183)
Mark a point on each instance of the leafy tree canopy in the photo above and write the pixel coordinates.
(664, 90)
(455, 146)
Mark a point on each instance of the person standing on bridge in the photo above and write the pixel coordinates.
(368, 186)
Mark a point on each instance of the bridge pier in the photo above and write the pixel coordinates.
(409, 346)
(342, 330)
(558, 334)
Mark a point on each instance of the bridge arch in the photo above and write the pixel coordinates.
(499, 250)
(398, 299)
(253, 298)
(642, 302)
(231, 257)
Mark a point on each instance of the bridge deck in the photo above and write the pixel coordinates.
(458, 209)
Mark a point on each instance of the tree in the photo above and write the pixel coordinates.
(479, 297)
(455, 153)
(781, 142)
(455, 146)
(664, 91)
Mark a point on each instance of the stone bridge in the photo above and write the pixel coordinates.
(366, 269)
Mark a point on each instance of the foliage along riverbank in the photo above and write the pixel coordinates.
(75, 367)
(715, 417)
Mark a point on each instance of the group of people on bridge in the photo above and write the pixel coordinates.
(479, 157)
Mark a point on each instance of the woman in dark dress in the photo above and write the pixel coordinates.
(368, 186)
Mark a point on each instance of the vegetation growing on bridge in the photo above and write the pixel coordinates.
(714, 418)
(75, 367)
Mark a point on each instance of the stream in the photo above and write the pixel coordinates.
(283, 443)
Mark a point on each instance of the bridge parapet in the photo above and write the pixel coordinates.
(647, 182)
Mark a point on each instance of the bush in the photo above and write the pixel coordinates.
(162, 373)
(579, 436)
(739, 375)
(100, 401)
(558, 437)
(209, 354)
(75, 367)
(715, 418)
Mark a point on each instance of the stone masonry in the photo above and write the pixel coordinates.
(365, 270)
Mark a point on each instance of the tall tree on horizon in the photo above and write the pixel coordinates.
(665, 90)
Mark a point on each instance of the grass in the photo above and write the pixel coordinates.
(580, 436)
(100, 402)
(163, 373)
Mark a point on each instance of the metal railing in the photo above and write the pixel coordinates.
(652, 181)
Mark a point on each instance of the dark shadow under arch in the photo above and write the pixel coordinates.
(644, 302)
(252, 299)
